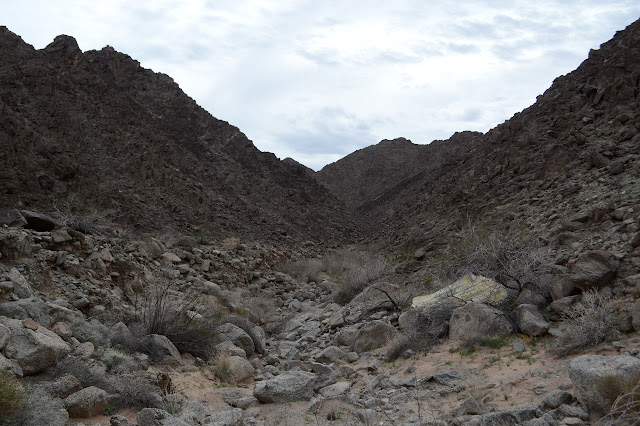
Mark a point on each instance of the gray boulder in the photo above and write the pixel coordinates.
(595, 269)
(599, 380)
(330, 354)
(475, 320)
(157, 417)
(374, 335)
(288, 387)
(530, 321)
(229, 417)
(238, 336)
(31, 308)
(21, 287)
(12, 218)
(161, 346)
(33, 350)
(87, 402)
(236, 369)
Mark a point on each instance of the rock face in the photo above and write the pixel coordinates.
(287, 387)
(374, 335)
(33, 350)
(475, 320)
(88, 402)
(599, 380)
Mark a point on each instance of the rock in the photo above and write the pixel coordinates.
(194, 413)
(599, 380)
(63, 330)
(34, 351)
(21, 287)
(469, 406)
(230, 417)
(374, 335)
(227, 347)
(561, 306)
(595, 269)
(478, 320)
(470, 288)
(259, 339)
(530, 321)
(288, 387)
(335, 390)
(157, 417)
(88, 402)
(10, 365)
(38, 221)
(160, 346)
(236, 369)
(60, 236)
(238, 336)
(31, 308)
(562, 286)
(12, 218)
(330, 354)
(555, 399)
(119, 420)
(170, 257)
(64, 386)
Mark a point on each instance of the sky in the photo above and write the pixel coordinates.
(317, 80)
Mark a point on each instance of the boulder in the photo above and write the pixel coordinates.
(160, 346)
(475, 320)
(599, 380)
(33, 350)
(236, 369)
(227, 347)
(38, 221)
(157, 417)
(530, 321)
(228, 417)
(238, 336)
(469, 288)
(595, 269)
(374, 335)
(335, 390)
(21, 287)
(31, 308)
(88, 402)
(287, 387)
(330, 354)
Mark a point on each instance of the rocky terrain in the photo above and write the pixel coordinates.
(157, 269)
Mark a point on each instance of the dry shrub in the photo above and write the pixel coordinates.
(625, 409)
(511, 256)
(12, 395)
(307, 270)
(425, 330)
(354, 270)
(221, 366)
(588, 323)
(38, 408)
(136, 390)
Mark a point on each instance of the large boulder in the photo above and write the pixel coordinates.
(469, 288)
(287, 387)
(474, 320)
(160, 346)
(12, 218)
(599, 380)
(374, 335)
(33, 350)
(88, 402)
(530, 321)
(238, 336)
(236, 369)
(595, 269)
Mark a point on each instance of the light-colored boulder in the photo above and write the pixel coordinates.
(595, 269)
(235, 369)
(88, 402)
(21, 287)
(161, 346)
(598, 380)
(530, 321)
(373, 335)
(335, 390)
(34, 351)
(30, 308)
(228, 348)
(475, 320)
(330, 354)
(287, 387)
(238, 336)
(157, 417)
(469, 288)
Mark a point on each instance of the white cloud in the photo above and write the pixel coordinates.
(317, 80)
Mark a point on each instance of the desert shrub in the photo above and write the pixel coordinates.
(38, 408)
(306, 269)
(117, 362)
(425, 330)
(354, 271)
(588, 323)
(136, 390)
(73, 215)
(12, 395)
(625, 409)
(90, 331)
(87, 374)
(511, 256)
(221, 367)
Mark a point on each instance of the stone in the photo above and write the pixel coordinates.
(469, 288)
(60, 236)
(598, 380)
(161, 346)
(64, 386)
(562, 306)
(236, 369)
(330, 354)
(157, 417)
(469, 406)
(227, 347)
(229, 417)
(170, 257)
(259, 339)
(34, 351)
(335, 390)
(530, 321)
(193, 412)
(595, 269)
(555, 399)
(12, 218)
(562, 286)
(31, 308)
(238, 336)
(288, 387)
(475, 320)
(63, 330)
(21, 287)
(374, 335)
(88, 402)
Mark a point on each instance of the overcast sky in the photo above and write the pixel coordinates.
(316, 80)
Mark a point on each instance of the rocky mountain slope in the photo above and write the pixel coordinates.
(94, 132)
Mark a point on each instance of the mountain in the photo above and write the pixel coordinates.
(94, 133)
(568, 167)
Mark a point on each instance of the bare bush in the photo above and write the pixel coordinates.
(511, 256)
(137, 390)
(588, 323)
(88, 222)
(626, 407)
(425, 330)
(12, 395)
(354, 270)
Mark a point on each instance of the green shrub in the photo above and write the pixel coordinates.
(12, 395)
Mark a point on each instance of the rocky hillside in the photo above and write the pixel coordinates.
(94, 133)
